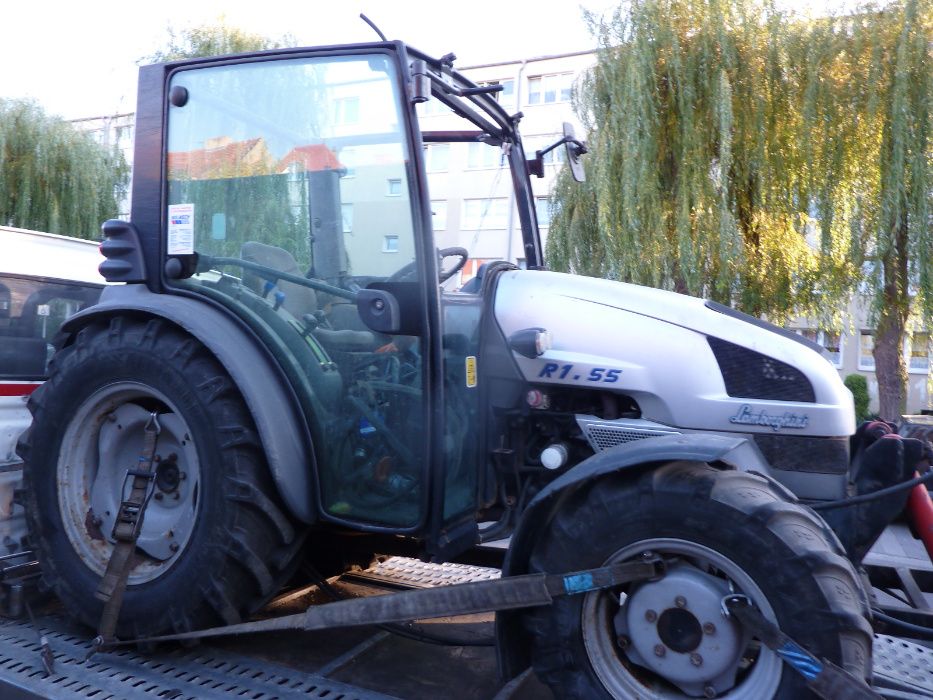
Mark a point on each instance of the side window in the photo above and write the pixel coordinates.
(31, 313)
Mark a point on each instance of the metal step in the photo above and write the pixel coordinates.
(902, 665)
(200, 674)
(404, 572)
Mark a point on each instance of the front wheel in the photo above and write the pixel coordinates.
(215, 541)
(721, 533)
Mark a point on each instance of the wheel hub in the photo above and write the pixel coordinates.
(105, 441)
(676, 628)
(679, 630)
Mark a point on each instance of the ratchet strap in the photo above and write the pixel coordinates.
(126, 529)
(824, 677)
(507, 593)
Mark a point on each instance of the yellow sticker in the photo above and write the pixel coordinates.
(471, 371)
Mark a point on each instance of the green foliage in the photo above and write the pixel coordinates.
(213, 40)
(54, 177)
(858, 385)
(745, 155)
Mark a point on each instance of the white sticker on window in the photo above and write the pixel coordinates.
(180, 229)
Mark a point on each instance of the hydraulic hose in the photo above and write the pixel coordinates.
(880, 493)
(909, 628)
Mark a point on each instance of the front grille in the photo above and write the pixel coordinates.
(805, 454)
(751, 375)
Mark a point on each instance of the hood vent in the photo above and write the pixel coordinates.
(603, 434)
(751, 375)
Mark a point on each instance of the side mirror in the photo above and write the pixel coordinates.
(575, 149)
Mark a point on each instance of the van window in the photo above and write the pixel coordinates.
(31, 312)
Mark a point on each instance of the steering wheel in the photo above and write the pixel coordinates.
(407, 271)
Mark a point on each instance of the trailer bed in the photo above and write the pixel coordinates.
(365, 663)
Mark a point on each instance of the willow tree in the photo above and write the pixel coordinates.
(758, 159)
(215, 39)
(54, 177)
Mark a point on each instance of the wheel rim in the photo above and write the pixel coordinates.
(103, 439)
(624, 678)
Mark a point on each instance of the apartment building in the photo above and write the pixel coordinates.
(471, 195)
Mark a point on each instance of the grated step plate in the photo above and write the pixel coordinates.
(413, 573)
(200, 674)
(902, 665)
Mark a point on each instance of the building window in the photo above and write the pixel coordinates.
(539, 143)
(439, 215)
(346, 110)
(390, 244)
(543, 211)
(830, 341)
(505, 96)
(485, 213)
(437, 157)
(348, 159)
(866, 360)
(346, 216)
(546, 89)
(393, 187)
(918, 355)
(480, 155)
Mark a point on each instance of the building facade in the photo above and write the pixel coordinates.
(471, 192)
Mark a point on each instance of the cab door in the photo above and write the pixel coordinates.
(293, 200)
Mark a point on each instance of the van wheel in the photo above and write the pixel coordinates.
(720, 532)
(216, 542)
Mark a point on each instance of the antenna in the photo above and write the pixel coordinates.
(373, 25)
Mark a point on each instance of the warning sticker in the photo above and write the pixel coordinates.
(180, 229)
(471, 371)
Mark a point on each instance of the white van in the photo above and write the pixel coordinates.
(44, 279)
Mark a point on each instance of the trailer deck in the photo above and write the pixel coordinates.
(362, 663)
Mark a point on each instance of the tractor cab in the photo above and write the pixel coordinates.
(295, 198)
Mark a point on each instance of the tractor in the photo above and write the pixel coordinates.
(263, 386)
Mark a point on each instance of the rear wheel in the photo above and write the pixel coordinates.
(720, 533)
(215, 542)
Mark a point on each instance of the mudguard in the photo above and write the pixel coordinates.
(284, 435)
(511, 644)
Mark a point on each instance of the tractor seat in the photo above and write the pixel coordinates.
(302, 302)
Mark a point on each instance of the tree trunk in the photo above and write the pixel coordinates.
(890, 367)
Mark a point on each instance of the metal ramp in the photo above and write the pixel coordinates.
(200, 674)
(903, 666)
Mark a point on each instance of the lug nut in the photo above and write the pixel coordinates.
(680, 601)
(623, 642)
(651, 615)
(659, 650)
(709, 692)
(696, 659)
(174, 546)
(709, 628)
(159, 495)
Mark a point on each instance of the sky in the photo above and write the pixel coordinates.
(80, 58)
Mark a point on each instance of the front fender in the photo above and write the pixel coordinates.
(511, 642)
(284, 434)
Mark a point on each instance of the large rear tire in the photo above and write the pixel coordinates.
(216, 542)
(721, 532)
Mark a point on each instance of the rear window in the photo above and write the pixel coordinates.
(31, 312)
